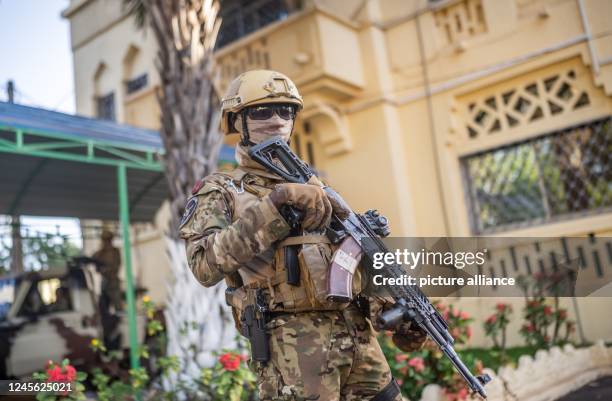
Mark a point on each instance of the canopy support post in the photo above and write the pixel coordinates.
(124, 219)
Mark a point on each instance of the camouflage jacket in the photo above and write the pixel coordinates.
(229, 226)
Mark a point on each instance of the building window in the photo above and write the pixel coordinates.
(136, 84)
(560, 175)
(241, 17)
(106, 106)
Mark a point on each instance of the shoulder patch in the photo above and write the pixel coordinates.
(198, 185)
(190, 209)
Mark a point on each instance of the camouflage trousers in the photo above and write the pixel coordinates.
(325, 356)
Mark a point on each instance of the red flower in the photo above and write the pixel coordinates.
(547, 310)
(70, 373)
(417, 363)
(491, 319)
(230, 361)
(54, 374)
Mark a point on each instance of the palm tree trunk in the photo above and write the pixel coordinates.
(186, 31)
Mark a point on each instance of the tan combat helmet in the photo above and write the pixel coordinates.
(256, 87)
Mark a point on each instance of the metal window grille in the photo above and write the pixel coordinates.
(106, 106)
(241, 17)
(136, 84)
(561, 175)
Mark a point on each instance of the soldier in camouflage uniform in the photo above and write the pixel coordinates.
(109, 262)
(319, 350)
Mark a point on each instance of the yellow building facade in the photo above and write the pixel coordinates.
(452, 117)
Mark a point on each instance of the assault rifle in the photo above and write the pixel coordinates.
(359, 238)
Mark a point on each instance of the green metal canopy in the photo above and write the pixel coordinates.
(39, 176)
(56, 164)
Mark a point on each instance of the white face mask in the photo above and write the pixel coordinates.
(260, 130)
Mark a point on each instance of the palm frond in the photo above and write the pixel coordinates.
(138, 9)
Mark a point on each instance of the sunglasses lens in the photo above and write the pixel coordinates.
(285, 112)
(265, 112)
(260, 113)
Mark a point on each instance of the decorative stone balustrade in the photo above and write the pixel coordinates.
(546, 377)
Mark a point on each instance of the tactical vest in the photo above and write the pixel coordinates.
(315, 253)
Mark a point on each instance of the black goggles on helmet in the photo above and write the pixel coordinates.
(266, 111)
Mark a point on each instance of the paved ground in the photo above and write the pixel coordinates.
(598, 390)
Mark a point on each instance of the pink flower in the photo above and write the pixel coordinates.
(501, 307)
(460, 395)
(465, 315)
(491, 319)
(400, 381)
(417, 363)
(463, 393)
(401, 357)
(456, 313)
(468, 332)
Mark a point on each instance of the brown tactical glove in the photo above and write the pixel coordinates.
(409, 338)
(310, 199)
(339, 207)
(406, 336)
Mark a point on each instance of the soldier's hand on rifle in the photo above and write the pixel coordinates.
(409, 338)
(309, 199)
(406, 336)
(339, 207)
